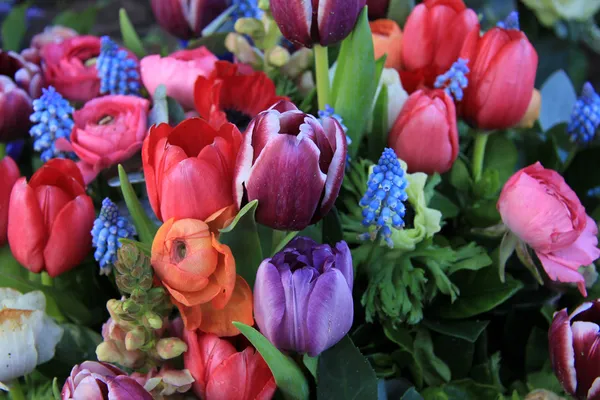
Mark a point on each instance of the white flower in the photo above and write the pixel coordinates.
(28, 336)
(397, 96)
(549, 11)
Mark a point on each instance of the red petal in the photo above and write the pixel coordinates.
(562, 353)
(586, 341)
(295, 19)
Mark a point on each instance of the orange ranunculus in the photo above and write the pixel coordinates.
(387, 39)
(199, 274)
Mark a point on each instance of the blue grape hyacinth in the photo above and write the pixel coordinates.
(245, 9)
(383, 202)
(585, 117)
(52, 119)
(511, 22)
(108, 228)
(118, 72)
(455, 79)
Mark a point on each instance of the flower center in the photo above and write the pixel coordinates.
(106, 119)
(178, 251)
(238, 118)
(90, 62)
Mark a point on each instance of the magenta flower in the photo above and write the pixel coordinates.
(186, 19)
(575, 351)
(293, 164)
(303, 296)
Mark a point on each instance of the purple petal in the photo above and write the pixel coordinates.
(287, 182)
(336, 19)
(269, 300)
(123, 387)
(562, 354)
(302, 244)
(343, 262)
(594, 392)
(586, 343)
(330, 312)
(294, 19)
(267, 126)
(322, 258)
(89, 389)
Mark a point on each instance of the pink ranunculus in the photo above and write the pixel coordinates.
(69, 67)
(538, 206)
(178, 72)
(108, 130)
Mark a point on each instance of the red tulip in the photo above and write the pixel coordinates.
(434, 34)
(189, 168)
(425, 134)
(50, 219)
(503, 66)
(186, 19)
(9, 173)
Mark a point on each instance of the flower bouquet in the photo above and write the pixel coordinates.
(326, 199)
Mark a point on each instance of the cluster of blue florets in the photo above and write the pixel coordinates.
(52, 119)
(108, 228)
(118, 72)
(246, 9)
(455, 79)
(383, 202)
(511, 22)
(585, 117)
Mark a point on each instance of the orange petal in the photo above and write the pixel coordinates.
(221, 219)
(224, 275)
(387, 39)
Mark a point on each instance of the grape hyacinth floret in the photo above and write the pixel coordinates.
(383, 206)
(585, 117)
(108, 228)
(511, 22)
(246, 9)
(52, 119)
(455, 79)
(118, 72)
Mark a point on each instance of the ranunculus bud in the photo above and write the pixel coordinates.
(9, 173)
(425, 135)
(574, 352)
(282, 147)
(303, 296)
(538, 206)
(387, 40)
(186, 19)
(323, 22)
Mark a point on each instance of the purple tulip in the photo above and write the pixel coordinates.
(185, 19)
(101, 381)
(303, 296)
(293, 164)
(323, 22)
(575, 351)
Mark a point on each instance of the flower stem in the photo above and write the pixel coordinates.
(16, 392)
(2, 150)
(478, 155)
(47, 279)
(322, 66)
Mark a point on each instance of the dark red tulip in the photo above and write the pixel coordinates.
(186, 19)
(323, 22)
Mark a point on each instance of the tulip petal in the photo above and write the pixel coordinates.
(330, 312)
(336, 19)
(448, 47)
(123, 387)
(343, 262)
(417, 44)
(562, 353)
(289, 165)
(67, 167)
(269, 304)
(594, 392)
(70, 239)
(298, 17)
(586, 341)
(89, 388)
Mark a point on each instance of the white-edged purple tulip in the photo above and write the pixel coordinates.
(575, 350)
(323, 22)
(303, 296)
(293, 164)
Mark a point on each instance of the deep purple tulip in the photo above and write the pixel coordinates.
(293, 164)
(323, 22)
(186, 18)
(575, 350)
(93, 380)
(303, 296)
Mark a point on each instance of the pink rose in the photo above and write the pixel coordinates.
(538, 206)
(67, 67)
(178, 72)
(108, 130)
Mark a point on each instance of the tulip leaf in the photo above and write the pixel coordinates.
(175, 110)
(466, 330)
(130, 37)
(14, 28)
(288, 376)
(378, 136)
(80, 21)
(56, 389)
(332, 228)
(353, 378)
(311, 364)
(242, 238)
(160, 110)
(399, 10)
(558, 99)
(143, 224)
(501, 154)
(355, 81)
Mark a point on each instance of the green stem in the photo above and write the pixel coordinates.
(16, 392)
(479, 154)
(47, 280)
(322, 66)
(2, 150)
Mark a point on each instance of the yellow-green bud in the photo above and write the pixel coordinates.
(152, 320)
(135, 339)
(251, 27)
(170, 348)
(299, 62)
(278, 56)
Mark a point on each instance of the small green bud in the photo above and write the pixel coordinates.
(133, 269)
(108, 352)
(251, 27)
(264, 5)
(170, 348)
(130, 306)
(299, 62)
(152, 321)
(135, 339)
(243, 50)
(278, 56)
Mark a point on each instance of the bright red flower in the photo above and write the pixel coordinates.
(50, 219)
(228, 94)
(9, 173)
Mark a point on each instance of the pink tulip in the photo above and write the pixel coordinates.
(9, 173)
(538, 206)
(178, 72)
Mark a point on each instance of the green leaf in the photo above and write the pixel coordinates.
(355, 80)
(399, 10)
(464, 389)
(215, 43)
(242, 238)
(14, 28)
(536, 350)
(288, 376)
(160, 110)
(466, 330)
(81, 21)
(457, 353)
(351, 379)
(445, 205)
(488, 186)
(489, 372)
(332, 227)
(558, 99)
(411, 394)
(479, 292)
(507, 248)
(130, 37)
(311, 364)
(501, 154)
(377, 139)
(176, 112)
(470, 257)
(435, 371)
(460, 177)
(56, 389)
(143, 224)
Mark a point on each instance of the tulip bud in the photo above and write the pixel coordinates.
(15, 108)
(323, 22)
(170, 348)
(387, 40)
(135, 339)
(186, 19)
